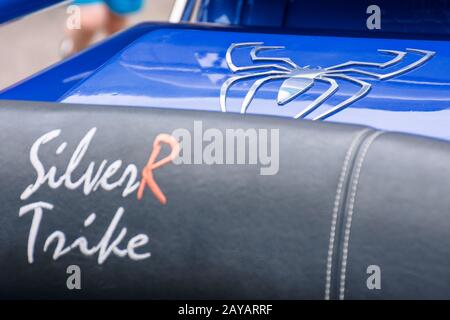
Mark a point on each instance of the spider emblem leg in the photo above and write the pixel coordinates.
(228, 83)
(276, 71)
(254, 88)
(324, 96)
(365, 88)
(399, 55)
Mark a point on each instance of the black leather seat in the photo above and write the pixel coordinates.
(345, 198)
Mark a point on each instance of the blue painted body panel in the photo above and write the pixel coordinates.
(400, 16)
(184, 68)
(12, 9)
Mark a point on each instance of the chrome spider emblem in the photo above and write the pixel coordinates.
(300, 79)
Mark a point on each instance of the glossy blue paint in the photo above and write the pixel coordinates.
(177, 68)
(12, 9)
(188, 10)
(243, 12)
(184, 67)
(401, 16)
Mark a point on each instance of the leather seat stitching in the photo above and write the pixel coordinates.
(337, 202)
(351, 205)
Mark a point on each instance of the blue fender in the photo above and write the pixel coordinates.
(12, 9)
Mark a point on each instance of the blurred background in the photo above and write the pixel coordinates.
(33, 43)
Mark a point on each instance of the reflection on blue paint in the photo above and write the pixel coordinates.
(184, 68)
